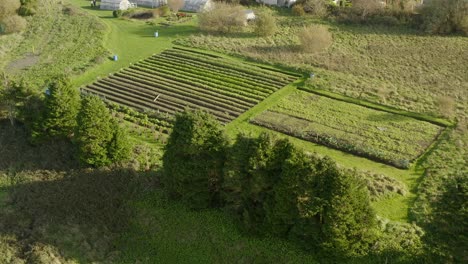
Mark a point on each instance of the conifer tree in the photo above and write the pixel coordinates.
(348, 220)
(62, 104)
(119, 147)
(194, 158)
(94, 132)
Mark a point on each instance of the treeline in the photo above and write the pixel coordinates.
(61, 114)
(12, 13)
(434, 16)
(269, 186)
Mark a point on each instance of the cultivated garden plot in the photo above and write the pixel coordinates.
(385, 137)
(181, 78)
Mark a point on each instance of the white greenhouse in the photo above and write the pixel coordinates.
(149, 3)
(197, 5)
(115, 4)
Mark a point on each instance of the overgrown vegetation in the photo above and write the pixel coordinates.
(10, 21)
(222, 18)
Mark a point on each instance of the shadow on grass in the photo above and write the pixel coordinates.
(51, 211)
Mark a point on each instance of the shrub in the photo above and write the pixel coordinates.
(117, 13)
(265, 24)
(367, 7)
(164, 11)
(222, 18)
(8, 8)
(14, 24)
(298, 10)
(445, 16)
(315, 7)
(315, 38)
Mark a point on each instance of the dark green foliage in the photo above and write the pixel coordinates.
(445, 16)
(62, 104)
(94, 132)
(119, 148)
(348, 219)
(194, 159)
(272, 187)
(28, 7)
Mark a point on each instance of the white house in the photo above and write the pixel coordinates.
(197, 5)
(115, 4)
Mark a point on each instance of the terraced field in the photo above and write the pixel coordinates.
(385, 137)
(181, 78)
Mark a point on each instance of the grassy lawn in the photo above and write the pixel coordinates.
(131, 41)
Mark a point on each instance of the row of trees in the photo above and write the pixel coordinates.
(63, 115)
(270, 186)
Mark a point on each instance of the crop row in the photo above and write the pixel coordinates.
(195, 80)
(250, 79)
(151, 93)
(204, 77)
(180, 79)
(245, 68)
(184, 88)
(213, 76)
(241, 75)
(164, 103)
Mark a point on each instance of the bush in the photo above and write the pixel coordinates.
(445, 16)
(365, 8)
(14, 24)
(298, 10)
(164, 11)
(222, 18)
(315, 7)
(315, 38)
(265, 24)
(117, 13)
(8, 8)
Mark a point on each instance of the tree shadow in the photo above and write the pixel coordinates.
(51, 211)
(386, 117)
(76, 215)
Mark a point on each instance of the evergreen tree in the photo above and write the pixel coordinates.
(94, 132)
(62, 104)
(194, 159)
(119, 148)
(348, 220)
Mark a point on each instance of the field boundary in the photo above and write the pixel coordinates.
(433, 120)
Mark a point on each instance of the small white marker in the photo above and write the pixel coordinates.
(156, 98)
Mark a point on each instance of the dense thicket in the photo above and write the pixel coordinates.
(194, 159)
(222, 18)
(445, 16)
